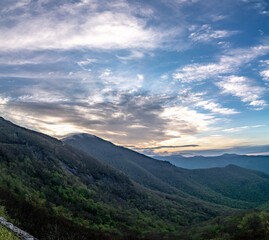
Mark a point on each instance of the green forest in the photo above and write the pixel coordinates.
(55, 191)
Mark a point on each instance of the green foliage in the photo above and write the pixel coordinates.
(68, 184)
(230, 186)
(6, 234)
(246, 225)
(55, 191)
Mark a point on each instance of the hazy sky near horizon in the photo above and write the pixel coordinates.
(157, 76)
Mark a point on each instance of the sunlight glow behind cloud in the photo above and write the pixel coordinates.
(148, 74)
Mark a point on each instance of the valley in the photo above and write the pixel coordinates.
(87, 188)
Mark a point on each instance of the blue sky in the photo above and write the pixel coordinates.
(160, 76)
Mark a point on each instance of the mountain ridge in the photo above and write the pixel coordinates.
(75, 191)
(184, 180)
(259, 162)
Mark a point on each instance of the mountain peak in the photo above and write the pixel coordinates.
(79, 135)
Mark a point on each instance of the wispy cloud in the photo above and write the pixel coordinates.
(265, 73)
(259, 5)
(243, 88)
(164, 147)
(200, 100)
(238, 129)
(108, 68)
(134, 54)
(247, 149)
(205, 33)
(19, 59)
(228, 63)
(216, 107)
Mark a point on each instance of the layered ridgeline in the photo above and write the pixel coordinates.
(55, 191)
(260, 163)
(231, 186)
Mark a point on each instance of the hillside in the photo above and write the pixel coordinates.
(74, 196)
(6, 234)
(243, 225)
(260, 163)
(218, 185)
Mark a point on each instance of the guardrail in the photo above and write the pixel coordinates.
(16, 230)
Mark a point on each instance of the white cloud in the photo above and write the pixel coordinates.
(200, 100)
(85, 24)
(198, 72)
(86, 64)
(117, 81)
(140, 77)
(228, 63)
(164, 76)
(3, 100)
(215, 107)
(243, 88)
(106, 73)
(216, 17)
(18, 5)
(133, 55)
(24, 59)
(265, 73)
(185, 1)
(183, 121)
(88, 61)
(205, 33)
(238, 129)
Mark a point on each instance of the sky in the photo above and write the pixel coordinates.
(160, 77)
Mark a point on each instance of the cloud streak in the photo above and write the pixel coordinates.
(205, 33)
(164, 147)
(227, 64)
(244, 89)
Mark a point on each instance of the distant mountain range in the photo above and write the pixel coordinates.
(217, 185)
(84, 187)
(260, 163)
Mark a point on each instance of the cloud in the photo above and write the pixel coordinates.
(215, 107)
(88, 61)
(199, 99)
(228, 63)
(133, 55)
(265, 73)
(87, 66)
(163, 147)
(205, 33)
(82, 24)
(258, 5)
(244, 89)
(238, 129)
(140, 77)
(198, 72)
(218, 17)
(184, 121)
(3, 100)
(136, 117)
(247, 149)
(26, 58)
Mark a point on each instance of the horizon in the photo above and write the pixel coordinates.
(244, 151)
(161, 77)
